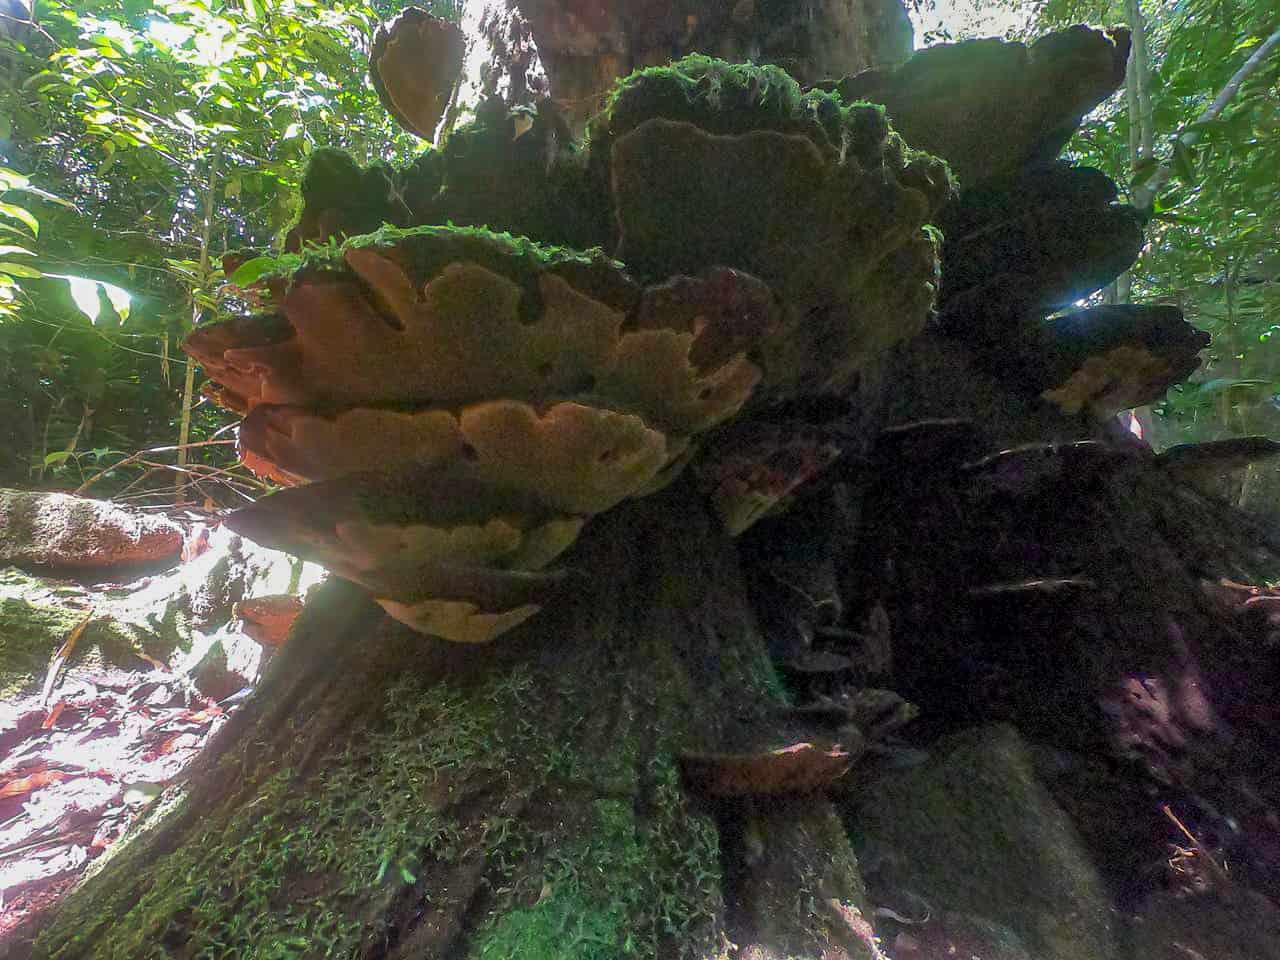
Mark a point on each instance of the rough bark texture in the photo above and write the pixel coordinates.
(1076, 591)
(586, 46)
(520, 800)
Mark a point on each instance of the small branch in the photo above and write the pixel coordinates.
(1219, 873)
(142, 477)
(31, 25)
(1146, 192)
(137, 457)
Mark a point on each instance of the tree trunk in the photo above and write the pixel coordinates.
(413, 798)
(388, 795)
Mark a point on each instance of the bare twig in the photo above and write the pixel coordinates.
(133, 483)
(31, 24)
(1219, 873)
(137, 458)
(61, 657)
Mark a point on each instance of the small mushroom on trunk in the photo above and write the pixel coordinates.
(268, 619)
(795, 768)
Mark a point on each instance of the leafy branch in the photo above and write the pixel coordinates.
(1144, 194)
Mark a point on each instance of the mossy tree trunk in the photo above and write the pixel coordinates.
(386, 795)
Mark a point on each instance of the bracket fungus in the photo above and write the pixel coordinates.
(415, 63)
(818, 198)
(1112, 358)
(452, 404)
(1199, 462)
(949, 97)
(525, 389)
(752, 470)
(1025, 245)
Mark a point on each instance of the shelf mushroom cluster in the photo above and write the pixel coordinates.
(453, 407)
(450, 405)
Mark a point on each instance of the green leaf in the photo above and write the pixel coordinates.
(1184, 162)
(84, 293)
(252, 270)
(12, 179)
(46, 195)
(1220, 384)
(22, 215)
(188, 268)
(58, 456)
(20, 270)
(119, 298)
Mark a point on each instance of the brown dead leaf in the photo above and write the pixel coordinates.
(34, 781)
(52, 717)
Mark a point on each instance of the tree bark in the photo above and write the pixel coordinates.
(386, 795)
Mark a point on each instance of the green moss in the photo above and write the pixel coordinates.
(627, 887)
(361, 198)
(975, 831)
(811, 212)
(30, 634)
(165, 633)
(293, 868)
(515, 169)
(284, 873)
(733, 98)
(426, 251)
(775, 687)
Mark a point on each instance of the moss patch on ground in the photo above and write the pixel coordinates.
(31, 633)
(29, 636)
(626, 886)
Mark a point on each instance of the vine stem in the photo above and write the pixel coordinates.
(188, 384)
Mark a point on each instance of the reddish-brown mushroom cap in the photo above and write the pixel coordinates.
(797, 768)
(415, 63)
(268, 619)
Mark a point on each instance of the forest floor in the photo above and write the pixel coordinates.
(108, 689)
